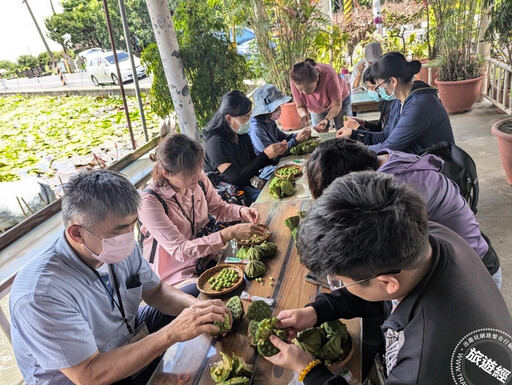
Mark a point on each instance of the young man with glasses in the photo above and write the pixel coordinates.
(372, 234)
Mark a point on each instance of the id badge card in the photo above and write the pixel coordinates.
(140, 332)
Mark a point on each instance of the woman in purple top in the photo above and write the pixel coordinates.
(337, 157)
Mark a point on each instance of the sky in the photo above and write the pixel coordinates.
(18, 34)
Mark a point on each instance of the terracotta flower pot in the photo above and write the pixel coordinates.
(423, 74)
(290, 119)
(502, 129)
(459, 96)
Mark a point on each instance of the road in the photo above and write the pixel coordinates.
(74, 81)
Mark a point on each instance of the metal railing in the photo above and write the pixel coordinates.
(498, 84)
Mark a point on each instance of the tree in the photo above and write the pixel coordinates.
(85, 21)
(27, 61)
(212, 65)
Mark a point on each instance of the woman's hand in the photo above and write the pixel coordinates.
(303, 135)
(352, 123)
(290, 356)
(241, 231)
(276, 149)
(322, 126)
(305, 120)
(250, 215)
(344, 133)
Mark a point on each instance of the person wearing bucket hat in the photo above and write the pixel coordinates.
(264, 131)
(318, 90)
(229, 153)
(372, 53)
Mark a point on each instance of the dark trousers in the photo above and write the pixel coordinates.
(251, 194)
(155, 320)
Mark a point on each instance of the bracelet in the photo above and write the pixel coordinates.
(307, 369)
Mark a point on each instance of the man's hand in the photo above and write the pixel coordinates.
(276, 149)
(296, 320)
(351, 123)
(198, 319)
(303, 135)
(250, 215)
(344, 133)
(290, 356)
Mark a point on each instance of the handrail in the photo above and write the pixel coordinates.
(497, 86)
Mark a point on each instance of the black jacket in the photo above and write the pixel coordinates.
(456, 297)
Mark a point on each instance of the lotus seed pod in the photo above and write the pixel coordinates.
(271, 249)
(242, 252)
(258, 311)
(251, 331)
(254, 254)
(254, 269)
(236, 308)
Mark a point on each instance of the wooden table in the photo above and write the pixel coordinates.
(301, 183)
(361, 102)
(194, 358)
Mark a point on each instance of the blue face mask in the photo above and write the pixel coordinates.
(243, 128)
(373, 95)
(384, 95)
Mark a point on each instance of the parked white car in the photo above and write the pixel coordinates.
(102, 69)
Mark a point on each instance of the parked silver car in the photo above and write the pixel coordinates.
(102, 69)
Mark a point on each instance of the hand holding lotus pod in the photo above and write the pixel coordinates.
(224, 327)
(254, 269)
(266, 328)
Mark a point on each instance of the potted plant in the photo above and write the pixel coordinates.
(499, 35)
(459, 74)
(502, 129)
(285, 31)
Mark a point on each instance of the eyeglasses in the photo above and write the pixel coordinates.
(384, 82)
(336, 283)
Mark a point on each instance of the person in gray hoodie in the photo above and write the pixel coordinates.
(337, 157)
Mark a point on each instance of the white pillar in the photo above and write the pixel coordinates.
(170, 54)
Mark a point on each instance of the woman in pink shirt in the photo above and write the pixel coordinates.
(181, 188)
(319, 90)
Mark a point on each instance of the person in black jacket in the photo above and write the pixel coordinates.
(446, 320)
(355, 123)
(228, 147)
(417, 120)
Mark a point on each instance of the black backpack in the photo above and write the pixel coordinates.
(460, 168)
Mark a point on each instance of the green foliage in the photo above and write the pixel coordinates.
(397, 25)
(499, 31)
(331, 46)
(85, 21)
(459, 33)
(159, 95)
(39, 132)
(27, 61)
(211, 64)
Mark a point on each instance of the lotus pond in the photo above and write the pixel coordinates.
(46, 134)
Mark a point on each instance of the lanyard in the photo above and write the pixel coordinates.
(191, 221)
(116, 285)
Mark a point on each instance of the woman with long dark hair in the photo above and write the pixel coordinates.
(417, 120)
(176, 214)
(228, 148)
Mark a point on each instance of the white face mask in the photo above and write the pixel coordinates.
(115, 249)
(243, 128)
